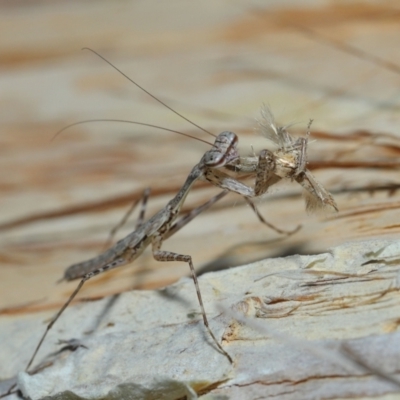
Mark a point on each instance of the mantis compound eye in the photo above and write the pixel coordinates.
(223, 151)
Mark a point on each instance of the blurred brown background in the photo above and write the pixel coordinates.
(337, 62)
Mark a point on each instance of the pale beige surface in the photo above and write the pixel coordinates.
(300, 327)
(216, 62)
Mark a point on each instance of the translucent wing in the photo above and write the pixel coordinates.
(276, 134)
(316, 196)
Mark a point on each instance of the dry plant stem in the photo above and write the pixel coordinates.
(9, 392)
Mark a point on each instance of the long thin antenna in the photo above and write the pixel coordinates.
(86, 121)
(350, 49)
(147, 92)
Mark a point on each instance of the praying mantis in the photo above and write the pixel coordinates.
(287, 162)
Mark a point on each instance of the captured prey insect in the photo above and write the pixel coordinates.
(288, 161)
